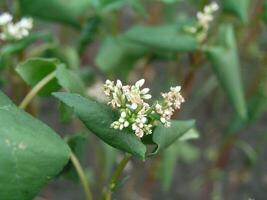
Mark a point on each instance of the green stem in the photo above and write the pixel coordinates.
(73, 158)
(36, 89)
(82, 176)
(116, 176)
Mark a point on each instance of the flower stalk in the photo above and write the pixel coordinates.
(25, 102)
(116, 176)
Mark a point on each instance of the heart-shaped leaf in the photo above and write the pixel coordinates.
(164, 137)
(34, 70)
(98, 118)
(30, 153)
(225, 63)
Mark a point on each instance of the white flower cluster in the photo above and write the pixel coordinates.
(204, 19)
(14, 31)
(172, 101)
(135, 112)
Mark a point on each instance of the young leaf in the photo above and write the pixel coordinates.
(239, 8)
(56, 10)
(225, 63)
(98, 118)
(30, 153)
(164, 37)
(164, 137)
(34, 70)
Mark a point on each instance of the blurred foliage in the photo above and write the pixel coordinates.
(223, 79)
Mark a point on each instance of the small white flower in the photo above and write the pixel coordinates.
(204, 19)
(133, 106)
(135, 113)
(5, 18)
(140, 83)
(14, 31)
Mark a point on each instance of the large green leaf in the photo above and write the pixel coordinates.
(56, 10)
(163, 37)
(240, 8)
(164, 137)
(225, 62)
(31, 153)
(34, 70)
(98, 118)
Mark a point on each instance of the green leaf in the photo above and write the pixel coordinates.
(164, 137)
(118, 55)
(239, 8)
(34, 70)
(180, 150)
(265, 11)
(31, 153)
(225, 63)
(189, 135)
(163, 37)
(116, 5)
(98, 118)
(257, 104)
(167, 167)
(69, 80)
(56, 10)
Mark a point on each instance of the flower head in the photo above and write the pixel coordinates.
(135, 113)
(14, 31)
(204, 18)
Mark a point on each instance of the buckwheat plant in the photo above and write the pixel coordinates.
(14, 31)
(204, 18)
(135, 112)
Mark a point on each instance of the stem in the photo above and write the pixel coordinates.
(36, 89)
(73, 158)
(116, 176)
(82, 176)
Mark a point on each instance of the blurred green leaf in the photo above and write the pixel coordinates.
(68, 13)
(118, 55)
(179, 150)
(18, 46)
(98, 118)
(225, 62)
(116, 5)
(189, 135)
(31, 153)
(265, 11)
(34, 70)
(257, 104)
(88, 33)
(249, 154)
(164, 137)
(69, 80)
(239, 8)
(164, 37)
(109, 159)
